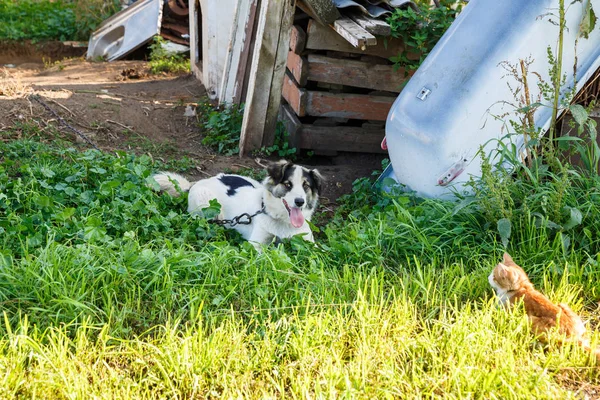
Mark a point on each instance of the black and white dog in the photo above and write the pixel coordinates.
(285, 200)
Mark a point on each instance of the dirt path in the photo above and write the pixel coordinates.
(144, 114)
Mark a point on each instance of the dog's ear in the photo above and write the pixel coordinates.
(318, 179)
(276, 170)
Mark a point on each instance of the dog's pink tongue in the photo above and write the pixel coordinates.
(296, 217)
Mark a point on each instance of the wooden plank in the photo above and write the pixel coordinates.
(245, 67)
(343, 105)
(353, 33)
(297, 39)
(371, 25)
(291, 123)
(276, 89)
(354, 73)
(217, 18)
(323, 11)
(237, 54)
(342, 138)
(266, 74)
(195, 41)
(295, 96)
(298, 66)
(340, 105)
(319, 37)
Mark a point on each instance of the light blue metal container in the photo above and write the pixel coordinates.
(450, 107)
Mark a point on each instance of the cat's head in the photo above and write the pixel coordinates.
(507, 276)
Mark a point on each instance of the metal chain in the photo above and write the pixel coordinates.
(62, 121)
(238, 219)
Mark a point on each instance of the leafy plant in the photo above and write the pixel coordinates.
(420, 30)
(52, 19)
(89, 14)
(221, 127)
(281, 146)
(161, 60)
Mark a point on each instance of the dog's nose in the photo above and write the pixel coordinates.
(299, 201)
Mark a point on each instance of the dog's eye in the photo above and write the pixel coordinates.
(287, 185)
(306, 185)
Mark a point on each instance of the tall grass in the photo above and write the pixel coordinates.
(109, 290)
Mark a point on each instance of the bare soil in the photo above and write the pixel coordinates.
(119, 105)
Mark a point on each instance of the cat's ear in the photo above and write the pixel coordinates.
(507, 259)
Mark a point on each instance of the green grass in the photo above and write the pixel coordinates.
(163, 61)
(109, 290)
(53, 19)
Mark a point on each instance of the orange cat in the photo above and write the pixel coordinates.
(512, 284)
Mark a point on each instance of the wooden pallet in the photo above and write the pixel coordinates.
(338, 95)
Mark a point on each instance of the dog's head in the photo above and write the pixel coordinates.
(297, 187)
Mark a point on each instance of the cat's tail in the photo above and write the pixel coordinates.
(172, 183)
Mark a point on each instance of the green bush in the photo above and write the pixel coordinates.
(420, 31)
(52, 20)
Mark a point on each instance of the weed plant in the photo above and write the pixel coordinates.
(420, 30)
(161, 60)
(222, 128)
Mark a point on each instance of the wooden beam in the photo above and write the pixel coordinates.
(341, 138)
(354, 34)
(244, 70)
(341, 105)
(319, 37)
(371, 25)
(266, 74)
(298, 66)
(323, 11)
(297, 39)
(238, 51)
(353, 73)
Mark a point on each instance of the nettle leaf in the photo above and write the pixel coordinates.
(580, 115)
(588, 21)
(47, 172)
(592, 128)
(575, 218)
(504, 228)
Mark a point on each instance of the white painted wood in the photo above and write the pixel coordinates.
(241, 32)
(195, 56)
(266, 74)
(353, 33)
(217, 21)
(372, 25)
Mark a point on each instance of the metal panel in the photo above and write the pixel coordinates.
(127, 30)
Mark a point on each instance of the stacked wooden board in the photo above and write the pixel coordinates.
(338, 95)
